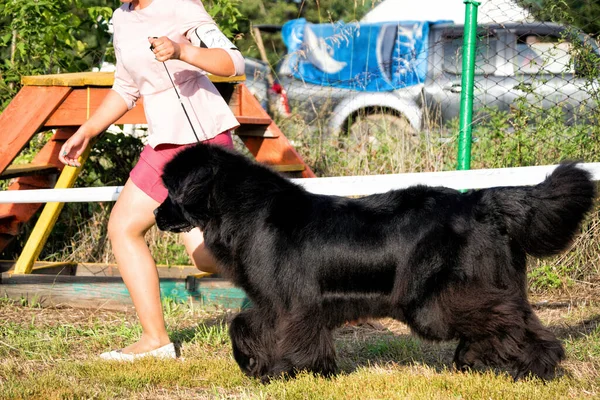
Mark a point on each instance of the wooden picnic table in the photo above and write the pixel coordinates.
(62, 103)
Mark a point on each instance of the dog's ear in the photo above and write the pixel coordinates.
(194, 196)
(196, 187)
(188, 159)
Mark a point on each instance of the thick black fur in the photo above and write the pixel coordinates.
(451, 265)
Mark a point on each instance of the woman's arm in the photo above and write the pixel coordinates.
(111, 109)
(215, 61)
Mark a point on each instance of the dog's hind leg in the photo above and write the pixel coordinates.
(498, 328)
(523, 353)
(541, 351)
(252, 341)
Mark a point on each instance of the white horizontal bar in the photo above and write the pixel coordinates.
(340, 186)
(471, 179)
(74, 195)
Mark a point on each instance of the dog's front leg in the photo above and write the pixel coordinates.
(253, 342)
(304, 343)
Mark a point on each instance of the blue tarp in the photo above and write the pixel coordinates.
(361, 56)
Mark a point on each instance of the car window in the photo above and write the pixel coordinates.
(543, 54)
(485, 62)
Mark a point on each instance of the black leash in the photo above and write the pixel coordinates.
(181, 102)
(178, 97)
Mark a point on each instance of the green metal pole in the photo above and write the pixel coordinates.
(468, 81)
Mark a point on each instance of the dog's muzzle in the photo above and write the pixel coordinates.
(170, 221)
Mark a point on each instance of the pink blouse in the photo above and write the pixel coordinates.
(139, 74)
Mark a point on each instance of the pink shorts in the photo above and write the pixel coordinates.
(147, 171)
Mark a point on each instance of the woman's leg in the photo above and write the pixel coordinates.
(130, 219)
(199, 254)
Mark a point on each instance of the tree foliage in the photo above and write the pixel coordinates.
(583, 14)
(49, 36)
(226, 14)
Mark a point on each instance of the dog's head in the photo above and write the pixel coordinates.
(207, 183)
(190, 179)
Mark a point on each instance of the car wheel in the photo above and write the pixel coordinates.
(372, 127)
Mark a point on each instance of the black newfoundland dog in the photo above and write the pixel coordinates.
(451, 265)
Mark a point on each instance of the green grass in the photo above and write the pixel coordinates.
(51, 353)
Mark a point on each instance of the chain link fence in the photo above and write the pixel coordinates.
(536, 80)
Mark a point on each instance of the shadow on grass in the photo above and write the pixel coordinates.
(211, 330)
(367, 345)
(356, 346)
(363, 347)
(582, 328)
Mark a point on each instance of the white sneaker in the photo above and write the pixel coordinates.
(165, 352)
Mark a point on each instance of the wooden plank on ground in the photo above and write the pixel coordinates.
(111, 292)
(164, 271)
(99, 269)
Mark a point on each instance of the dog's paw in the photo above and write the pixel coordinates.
(256, 369)
(251, 366)
(287, 369)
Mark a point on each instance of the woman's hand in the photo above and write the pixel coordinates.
(215, 61)
(73, 148)
(164, 48)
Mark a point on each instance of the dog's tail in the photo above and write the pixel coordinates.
(544, 218)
